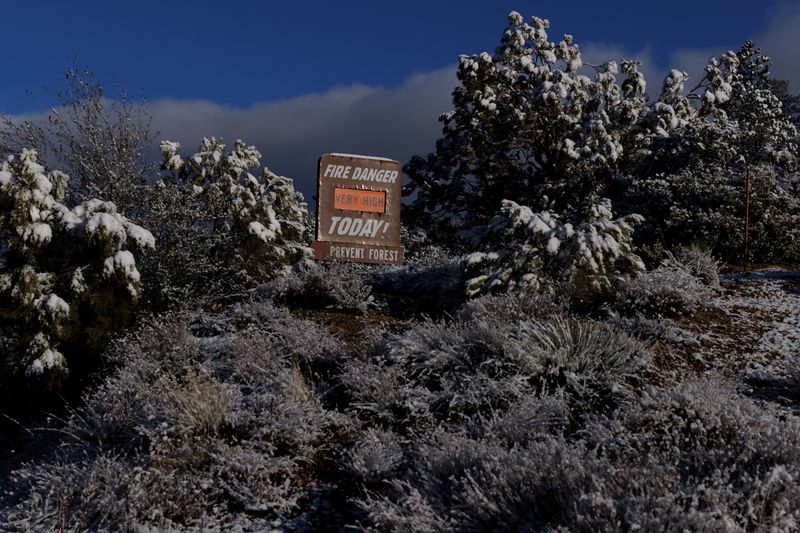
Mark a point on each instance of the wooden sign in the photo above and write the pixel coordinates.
(358, 209)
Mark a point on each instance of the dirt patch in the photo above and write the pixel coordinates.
(354, 329)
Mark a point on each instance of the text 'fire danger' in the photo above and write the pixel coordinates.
(346, 172)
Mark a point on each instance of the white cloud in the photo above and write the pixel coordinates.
(402, 121)
(291, 134)
(781, 41)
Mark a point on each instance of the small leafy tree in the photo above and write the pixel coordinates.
(99, 140)
(66, 272)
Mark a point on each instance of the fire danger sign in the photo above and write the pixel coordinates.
(358, 209)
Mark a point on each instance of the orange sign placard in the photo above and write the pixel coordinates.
(359, 200)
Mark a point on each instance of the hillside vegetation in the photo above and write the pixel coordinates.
(567, 348)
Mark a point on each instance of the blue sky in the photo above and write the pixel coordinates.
(297, 78)
(239, 53)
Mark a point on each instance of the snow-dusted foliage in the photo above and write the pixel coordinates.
(530, 125)
(791, 106)
(340, 286)
(57, 261)
(263, 219)
(522, 250)
(684, 282)
(526, 118)
(208, 422)
(696, 261)
(665, 291)
(705, 205)
(691, 187)
(765, 133)
(714, 460)
(533, 124)
(696, 458)
(451, 372)
(100, 138)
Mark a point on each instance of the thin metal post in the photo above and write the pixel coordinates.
(746, 216)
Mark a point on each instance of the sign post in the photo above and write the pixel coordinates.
(358, 209)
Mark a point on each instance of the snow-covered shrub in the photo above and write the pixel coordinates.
(460, 483)
(522, 251)
(713, 460)
(696, 458)
(184, 271)
(448, 372)
(513, 307)
(67, 274)
(208, 421)
(262, 220)
(376, 456)
(341, 286)
(697, 262)
(665, 291)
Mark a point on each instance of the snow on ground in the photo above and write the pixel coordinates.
(767, 304)
(751, 329)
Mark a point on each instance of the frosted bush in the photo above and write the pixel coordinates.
(187, 269)
(713, 460)
(697, 262)
(665, 291)
(694, 458)
(523, 251)
(375, 457)
(62, 267)
(512, 307)
(206, 421)
(464, 484)
(456, 371)
(264, 218)
(322, 286)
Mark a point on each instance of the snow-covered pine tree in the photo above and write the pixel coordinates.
(765, 133)
(530, 125)
(689, 182)
(261, 221)
(527, 125)
(64, 270)
(523, 251)
(532, 135)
